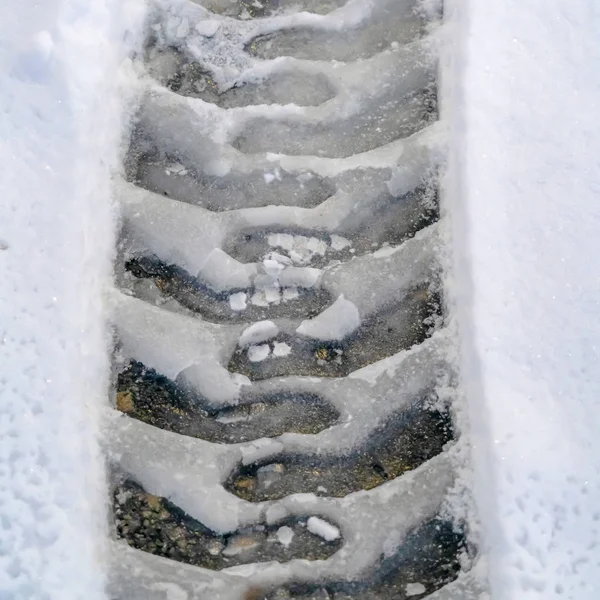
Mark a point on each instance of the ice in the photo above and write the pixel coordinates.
(258, 332)
(323, 529)
(305, 277)
(272, 267)
(272, 294)
(237, 301)
(415, 589)
(301, 249)
(334, 323)
(285, 535)
(339, 243)
(281, 349)
(258, 353)
(208, 27)
(290, 293)
(222, 272)
(280, 258)
(281, 240)
(259, 299)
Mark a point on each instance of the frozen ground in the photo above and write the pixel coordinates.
(59, 128)
(526, 206)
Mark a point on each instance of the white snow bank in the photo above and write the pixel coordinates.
(59, 133)
(525, 193)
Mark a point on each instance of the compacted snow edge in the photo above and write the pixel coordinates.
(60, 127)
(522, 193)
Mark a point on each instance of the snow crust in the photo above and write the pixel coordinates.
(523, 194)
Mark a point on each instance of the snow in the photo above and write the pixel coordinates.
(524, 194)
(60, 125)
(323, 529)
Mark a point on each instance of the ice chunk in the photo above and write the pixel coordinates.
(316, 246)
(272, 294)
(339, 243)
(207, 28)
(281, 349)
(415, 589)
(305, 277)
(323, 529)
(280, 258)
(334, 323)
(238, 301)
(273, 267)
(290, 293)
(258, 353)
(258, 299)
(285, 535)
(281, 240)
(222, 272)
(258, 332)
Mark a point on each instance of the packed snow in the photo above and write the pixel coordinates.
(60, 127)
(524, 197)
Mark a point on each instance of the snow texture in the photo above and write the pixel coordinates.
(60, 124)
(524, 195)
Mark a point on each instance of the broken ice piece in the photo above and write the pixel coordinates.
(339, 243)
(260, 331)
(290, 293)
(316, 246)
(272, 267)
(415, 589)
(258, 353)
(281, 240)
(323, 529)
(258, 299)
(285, 535)
(207, 28)
(272, 294)
(238, 301)
(281, 349)
(280, 258)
